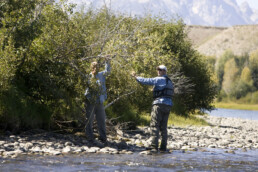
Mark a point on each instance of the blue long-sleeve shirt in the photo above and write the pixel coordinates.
(159, 83)
(101, 82)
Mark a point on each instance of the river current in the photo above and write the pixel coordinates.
(234, 113)
(211, 160)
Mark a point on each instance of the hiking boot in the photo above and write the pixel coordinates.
(164, 151)
(152, 148)
(95, 143)
(105, 143)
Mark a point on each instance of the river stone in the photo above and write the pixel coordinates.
(128, 152)
(85, 148)
(8, 145)
(212, 146)
(36, 149)
(194, 144)
(16, 143)
(50, 144)
(145, 153)
(138, 136)
(114, 152)
(55, 152)
(93, 149)
(203, 145)
(230, 151)
(28, 146)
(138, 142)
(66, 149)
(104, 150)
(185, 147)
(68, 144)
(111, 149)
(193, 149)
(123, 151)
(9, 153)
(12, 136)
(77, 149)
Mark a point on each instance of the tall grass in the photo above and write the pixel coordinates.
(232, 105)
(177, 120)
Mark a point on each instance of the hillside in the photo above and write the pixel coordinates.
(214, 41)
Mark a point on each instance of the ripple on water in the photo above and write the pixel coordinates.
(212, 159)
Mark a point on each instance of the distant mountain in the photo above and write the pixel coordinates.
(193, 12)
(214, 41)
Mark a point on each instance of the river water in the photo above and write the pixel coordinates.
(201, 160)
(212, 160)
(244, 114)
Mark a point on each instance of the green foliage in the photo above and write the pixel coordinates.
(254, 67)
(44, 74)
(240, 89)
(211, 61)
(239, 77)
(220, 66)
(230, 73)
(254, 97)
(246, 76)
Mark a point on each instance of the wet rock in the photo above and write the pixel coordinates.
(36, 149)
(128, 152)
(230, 151)
(212, 146)
(9, 153)
(66, 149)
(244, 150)
(85, 148)
(145, 153)
(77, 149)
(55, 152)
(93, 149)
(68, 144)
(28, 146)
(192, 149)
(104, 150)
(185, 147)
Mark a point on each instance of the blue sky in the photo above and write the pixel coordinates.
(253, 3)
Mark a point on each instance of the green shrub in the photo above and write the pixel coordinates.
(240, 89)
(254, 97)
(50, 54)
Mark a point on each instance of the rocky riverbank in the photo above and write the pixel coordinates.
(224, 133)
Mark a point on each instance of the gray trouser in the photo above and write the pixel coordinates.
(97, 110)
(159, 121)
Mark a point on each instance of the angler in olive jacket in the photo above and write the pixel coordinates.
(95, 96)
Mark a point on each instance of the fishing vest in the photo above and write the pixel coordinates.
(167, 92)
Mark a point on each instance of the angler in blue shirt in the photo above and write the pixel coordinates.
(162, 94)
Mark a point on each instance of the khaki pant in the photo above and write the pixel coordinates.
(97, 110)
(159, 121)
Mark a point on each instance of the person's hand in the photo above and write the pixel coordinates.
(133, 74)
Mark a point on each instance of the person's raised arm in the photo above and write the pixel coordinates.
(145, 81)
(107, 66)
